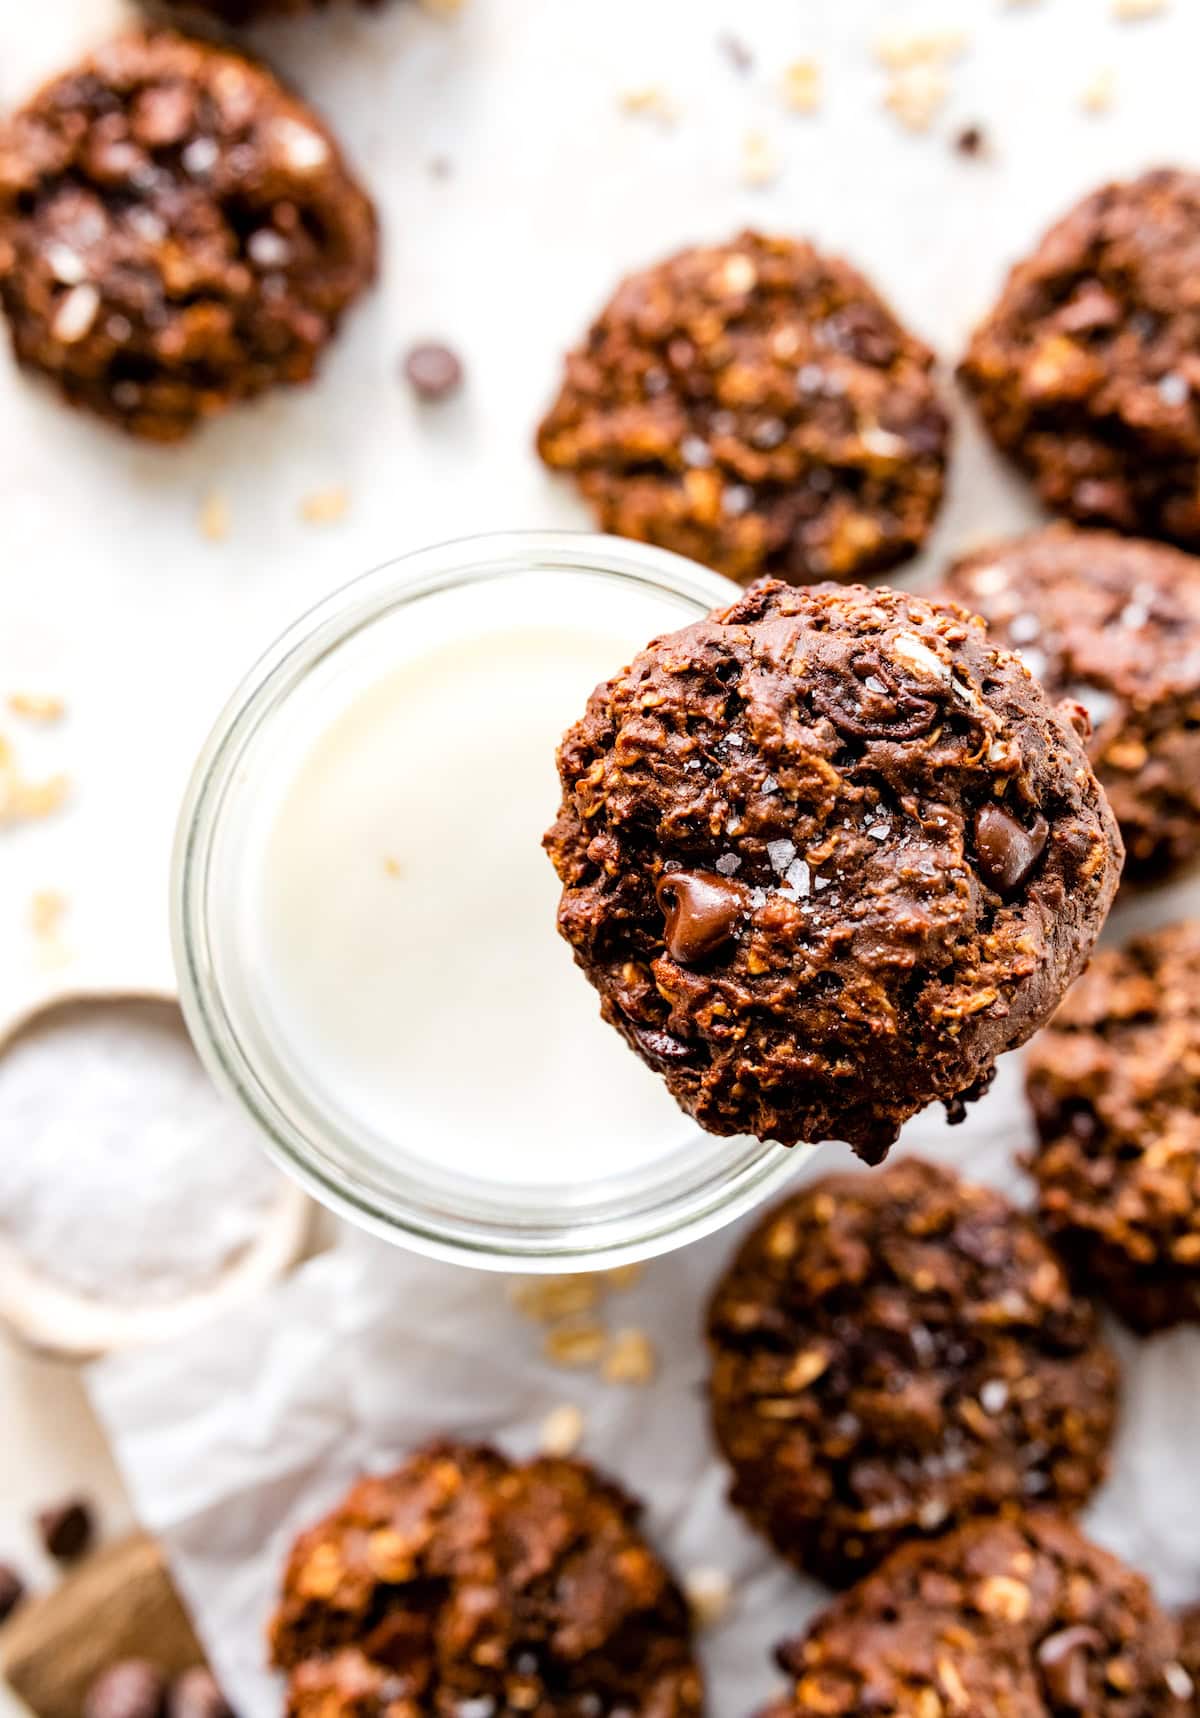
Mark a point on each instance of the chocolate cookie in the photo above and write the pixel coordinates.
(468, 1584)
(1087, 370)
(1115, 624)
(757, 406)
(894, 1353)
(240, 12)
(1115, 1086)
(177, 232)
(825, 854)
(1002, 1619)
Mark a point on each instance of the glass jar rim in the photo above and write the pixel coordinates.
(753, 1170)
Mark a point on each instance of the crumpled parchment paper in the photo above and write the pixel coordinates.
(232, 1440)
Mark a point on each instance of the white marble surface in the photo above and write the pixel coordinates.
(113, 598)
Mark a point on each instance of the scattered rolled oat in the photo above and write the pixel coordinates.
(1099, 91)
(46, 912)
(623, 1277)
(214, 517)
(630, 1358)
(709, 1593)
(649, 101)
(761, 161)
(1132, 11)
(24, 801)
(37, 706)
(575, 1344)
(562, 1430)
(900, 50)
(801, 88)
(325, 506)
(547, 1300)
(916, 93)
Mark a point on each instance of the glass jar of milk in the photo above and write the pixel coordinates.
(364, 918)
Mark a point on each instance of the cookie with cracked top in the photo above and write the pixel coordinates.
(757, 406)
(177, 232)
(1087, 370)
(1114, 1082)
(825, 854)
(1113, 622)
(895, 1353)
(465, 1583)
(1012, 1619)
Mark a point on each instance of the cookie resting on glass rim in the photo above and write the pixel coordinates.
(894, 1353)
(177, 232)
(757, 406)
(825, 854)
(1113, 622)
(1087, 370)
(1114, 1082)
(1000, 1619)
(465, 1583)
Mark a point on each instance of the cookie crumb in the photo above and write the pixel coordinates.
(37, 706)
(325, 506)
(1099, 92)
(649, 101)
(1133, 11)
(709, 1593)
(630, 1359)
(393, 867)
(801, 87)
(575, 1345)
(761, 162)
(971, 141)
(442, 8)
(562, 1430)
(214, 517)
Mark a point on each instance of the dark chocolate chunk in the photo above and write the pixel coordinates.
(433, 371)
(12, 1590)
(1007, 850)
(702, 912)
(66, 1529)
(196, 1694)
(131, 1688)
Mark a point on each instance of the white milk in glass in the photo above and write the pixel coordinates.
(402, 909)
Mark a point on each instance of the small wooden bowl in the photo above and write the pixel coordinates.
(56, 1320)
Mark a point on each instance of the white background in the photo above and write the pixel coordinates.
(114, 599)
